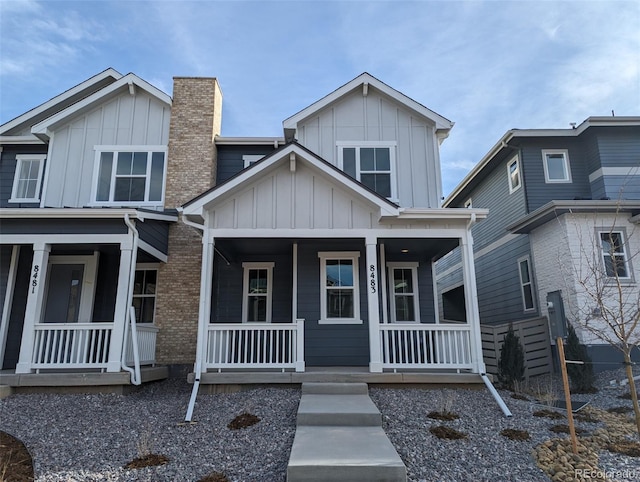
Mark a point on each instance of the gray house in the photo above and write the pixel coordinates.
(558, 200)
(318, 248)
(83, 231)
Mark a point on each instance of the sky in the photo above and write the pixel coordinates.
(488, 66)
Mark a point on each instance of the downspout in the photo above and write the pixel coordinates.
(483, 375)
(135, 372)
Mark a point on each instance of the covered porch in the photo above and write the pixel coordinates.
(79, 298)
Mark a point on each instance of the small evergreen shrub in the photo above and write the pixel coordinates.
(511, 363)
(581, 376)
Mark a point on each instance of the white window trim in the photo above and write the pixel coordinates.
(88, 291)
(120, 148)
(627, 266)
(392, 295)
(515, 159)
(248, 266)
(392, 160)
(567, 166)
(16, 178)
(149, 267)
(249, 159)
(353, 256)
(530, 283)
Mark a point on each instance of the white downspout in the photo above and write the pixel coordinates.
(135, 372)
(470, 272)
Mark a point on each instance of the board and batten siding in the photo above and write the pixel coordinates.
(230, 160)
(123, 121)
(357, 118)
(281, 199)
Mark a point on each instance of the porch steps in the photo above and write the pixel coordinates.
(339, 437)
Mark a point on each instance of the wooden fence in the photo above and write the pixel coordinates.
(534, 337)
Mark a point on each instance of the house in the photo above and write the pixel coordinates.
(257, 258)
(564, 206)
(318, 247)
(83, 231)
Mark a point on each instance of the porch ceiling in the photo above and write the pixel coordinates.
(416, 249)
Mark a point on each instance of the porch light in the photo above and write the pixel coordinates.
(405, 250)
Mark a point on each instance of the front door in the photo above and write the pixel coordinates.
(70, 289)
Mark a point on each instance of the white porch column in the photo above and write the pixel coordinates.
(471, 300)
(204, 311)
(375, 363)
(120, 315)
(35, 300)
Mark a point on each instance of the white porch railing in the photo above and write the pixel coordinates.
(146, 335)
(426, 346)
(77, 345)
(255, 345)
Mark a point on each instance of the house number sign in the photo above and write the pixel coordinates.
(34, 278)
(372, 278)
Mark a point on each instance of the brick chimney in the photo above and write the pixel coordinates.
(196, 115)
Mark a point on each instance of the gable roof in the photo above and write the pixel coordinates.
(291, 152)
(129, 81)
(59, 102)
(479, 170)
(365, 81)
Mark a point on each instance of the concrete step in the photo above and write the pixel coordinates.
(345, 454)
(346, 410)
(335, 388)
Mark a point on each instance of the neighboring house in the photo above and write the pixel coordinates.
(554, 197)
(321, 253)
(83, 230)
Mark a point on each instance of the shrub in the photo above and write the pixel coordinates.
(511, 363)
(582, 377)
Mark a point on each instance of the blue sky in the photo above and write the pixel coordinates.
(489, 66)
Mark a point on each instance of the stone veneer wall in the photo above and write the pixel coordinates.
(196, 116)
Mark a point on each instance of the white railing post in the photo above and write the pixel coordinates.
(35, 301)
(299, 337)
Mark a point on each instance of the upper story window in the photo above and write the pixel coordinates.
(28, 178)
(614, 254)
(513, 171)
(556, 165)
(371, 163)
(130, 175)
(340, 299)
(257, 292)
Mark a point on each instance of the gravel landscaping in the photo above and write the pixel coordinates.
(93, 437)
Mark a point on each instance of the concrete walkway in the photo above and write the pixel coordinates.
(339, 437)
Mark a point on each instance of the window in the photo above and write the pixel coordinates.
(556, 166)
(340, 300)
(257, 291)
(249, 159)
(513, 169)
(28, 178)
(130, 175)
(372, 164)
(526, 284)
(614, 256)
(144, 294)
(403, 289)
